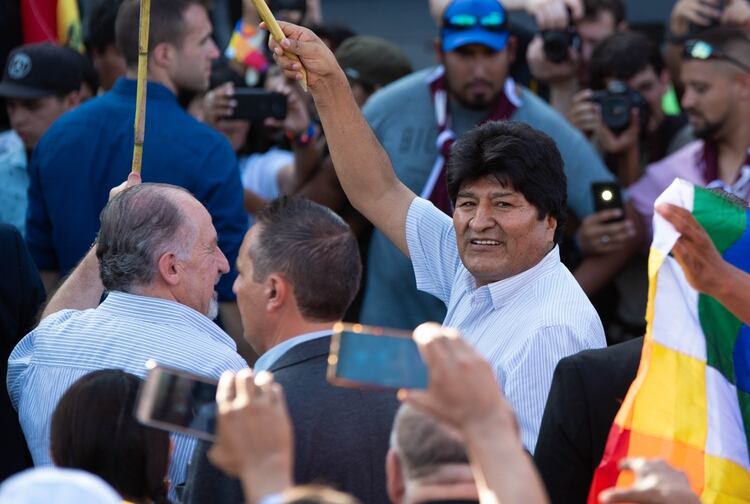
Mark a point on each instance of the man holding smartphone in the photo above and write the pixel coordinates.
(496, 265)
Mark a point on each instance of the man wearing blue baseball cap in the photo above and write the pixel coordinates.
(416, 119)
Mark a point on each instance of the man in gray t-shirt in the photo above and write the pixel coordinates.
(406, 117)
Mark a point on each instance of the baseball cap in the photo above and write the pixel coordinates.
(38, 70)
(474, 22)
(373, 61)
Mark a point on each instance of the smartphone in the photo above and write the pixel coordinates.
(177, 401)
(607, 195)
(257, 104)
(375, 357)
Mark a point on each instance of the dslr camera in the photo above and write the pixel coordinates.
(616, 102)
(557, 42)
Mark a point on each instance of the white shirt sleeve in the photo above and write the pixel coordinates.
(432, 247)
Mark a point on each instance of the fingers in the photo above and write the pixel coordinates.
(576, 8)
(225, 391)
(682, 220)
(134, 179)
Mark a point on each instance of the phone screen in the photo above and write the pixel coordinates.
(374, 357)
(178, 401)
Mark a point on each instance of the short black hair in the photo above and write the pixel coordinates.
(101, 26)
(167, 24)
(518, 156)
(593, 7)
(314, 249)
(622, 56)
(93, 428)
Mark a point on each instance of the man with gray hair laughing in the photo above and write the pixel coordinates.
(157, 257)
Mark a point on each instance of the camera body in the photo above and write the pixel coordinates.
(616, 102)
(557, 42)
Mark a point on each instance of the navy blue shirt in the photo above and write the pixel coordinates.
(89, 150)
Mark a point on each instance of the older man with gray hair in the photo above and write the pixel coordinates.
(157, 257)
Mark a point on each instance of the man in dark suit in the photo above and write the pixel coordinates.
(587, 391)
(298, 271)
(21, 295)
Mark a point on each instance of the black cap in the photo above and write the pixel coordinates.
(38, 70)
(372, 60)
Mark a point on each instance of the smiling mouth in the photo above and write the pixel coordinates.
(485, 242)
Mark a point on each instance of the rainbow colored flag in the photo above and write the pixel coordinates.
(56, 21)
(690, 401)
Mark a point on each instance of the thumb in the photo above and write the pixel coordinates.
(133, 179)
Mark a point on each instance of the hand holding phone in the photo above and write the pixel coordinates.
(375, 357)
(257, 105)
(607, 196)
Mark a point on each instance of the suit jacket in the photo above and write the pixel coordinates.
(586, 393)
(341, 435)
(21, 296)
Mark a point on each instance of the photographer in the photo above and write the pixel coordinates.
(560, 57)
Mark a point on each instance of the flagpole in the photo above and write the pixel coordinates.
(140, 96)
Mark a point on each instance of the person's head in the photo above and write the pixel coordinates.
(180, 45)
(315, 494)
(299, 261)
(90, 82)
(426, 460)
(371, 63)
(158, 240)
(601, 19)
(332, 34)
(61, 486)
(291, 11)
(476, 50)
(40, 83)
(509, 190)
(100, 43)
(634, 58)
(716, 74)
(93, 428)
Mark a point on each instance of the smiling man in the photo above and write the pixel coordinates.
(496, 263)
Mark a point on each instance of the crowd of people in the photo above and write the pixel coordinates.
(465, 194)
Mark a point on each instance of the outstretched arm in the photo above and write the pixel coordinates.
(361, 164)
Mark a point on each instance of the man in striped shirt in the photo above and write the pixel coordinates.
(157, 256)
(496, 263)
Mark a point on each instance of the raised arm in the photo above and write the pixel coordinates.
(361, 164)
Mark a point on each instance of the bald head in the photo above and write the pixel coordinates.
(137, 227)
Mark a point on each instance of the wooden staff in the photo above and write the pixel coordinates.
(140, 94)
(267, 16)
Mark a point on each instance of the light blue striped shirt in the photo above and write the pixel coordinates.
(123, 332)
(522, 325)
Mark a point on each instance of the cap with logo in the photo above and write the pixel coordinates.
(474, 22)
(38, 70)
(372, 61)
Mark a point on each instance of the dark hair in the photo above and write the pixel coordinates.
(334, 33)
(424, 444)
(167, 24)
(314, 249)
(101, 26)
(622, 56)
(591, 8)
(137, 227)
(730, 40)
(93, 428)
(518, 156)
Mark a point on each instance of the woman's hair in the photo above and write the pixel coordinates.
(93, 428)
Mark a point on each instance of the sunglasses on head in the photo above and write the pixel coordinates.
(700, 50)
(490, 22)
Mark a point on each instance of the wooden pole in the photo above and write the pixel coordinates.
(267, 16)
(140, 95)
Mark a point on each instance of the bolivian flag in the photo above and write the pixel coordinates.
(56, 21)
(690, 401)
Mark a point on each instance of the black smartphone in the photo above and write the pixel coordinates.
(257, 104)
(177, 401)
(375, 357)
(607, 195)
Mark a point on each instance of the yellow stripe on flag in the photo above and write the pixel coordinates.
(730, 478)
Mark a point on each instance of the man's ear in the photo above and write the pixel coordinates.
(394, 478)
(437, 45)
(551, 227)
(277, 291)
(162, 55)
(168, 270)
(72, 99)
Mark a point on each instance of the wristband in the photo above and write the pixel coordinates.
(303, 139)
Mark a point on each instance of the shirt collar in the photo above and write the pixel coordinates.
(503, 291)
(155, 91)
(269, 358)
(162, 312)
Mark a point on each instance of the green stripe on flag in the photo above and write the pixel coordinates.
(724, 221)
(744, 400)
(720, 328)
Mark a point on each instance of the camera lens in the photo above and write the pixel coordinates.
(556, 45)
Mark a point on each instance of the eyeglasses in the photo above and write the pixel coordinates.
(491, 22)
(700, 50)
